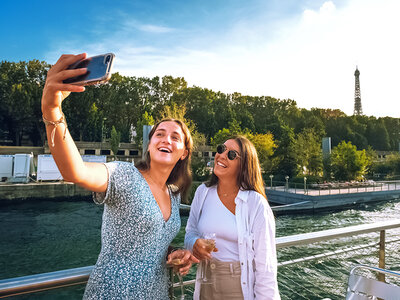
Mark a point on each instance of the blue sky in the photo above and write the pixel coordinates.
(299, 49)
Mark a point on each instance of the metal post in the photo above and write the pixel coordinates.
(287, 182)
(305, 185)
(381, 276)
(270, 177)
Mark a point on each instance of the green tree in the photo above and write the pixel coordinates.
(146, 119)
(348, 163)
(284, 155)
(308, 153)
(227, 133)
(178, 112)
(265, 146)
(393, 128)
(198, 105)
(394, 161)
(389, 168)
(377, 135)
(114, 141)
(21, 87)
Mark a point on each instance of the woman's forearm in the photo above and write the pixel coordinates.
(62, 146)
(65, 153)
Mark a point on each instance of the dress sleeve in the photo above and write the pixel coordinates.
(266, 265)
(192, 233)
(109, 194)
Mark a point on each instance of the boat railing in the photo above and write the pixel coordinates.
(311, 265)
(318, 189)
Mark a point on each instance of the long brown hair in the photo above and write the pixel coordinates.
(249, 176)
(181, 174)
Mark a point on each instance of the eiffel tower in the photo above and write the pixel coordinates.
(357, 95)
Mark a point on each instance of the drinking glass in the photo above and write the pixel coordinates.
(177, 264)
(210, 238)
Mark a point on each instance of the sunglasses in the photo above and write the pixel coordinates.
(232, 154)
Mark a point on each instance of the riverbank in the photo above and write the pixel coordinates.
(14, 192)
(41, 190)
(286, 201)
(298, 200)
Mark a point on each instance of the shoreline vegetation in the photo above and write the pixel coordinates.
(288, 138)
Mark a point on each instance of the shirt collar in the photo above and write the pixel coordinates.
(242, 195)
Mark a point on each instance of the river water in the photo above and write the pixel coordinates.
(44, 236)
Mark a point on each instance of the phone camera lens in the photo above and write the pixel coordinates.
(107, 59)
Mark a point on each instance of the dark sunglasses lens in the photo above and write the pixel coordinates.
(221, 149)
(231, 154)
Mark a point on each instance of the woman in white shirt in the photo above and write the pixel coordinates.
(233, 205)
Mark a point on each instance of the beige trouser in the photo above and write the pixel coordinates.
(225, 278)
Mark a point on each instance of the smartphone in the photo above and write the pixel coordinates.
(98, 70)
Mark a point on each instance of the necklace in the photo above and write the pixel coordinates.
(227, 194)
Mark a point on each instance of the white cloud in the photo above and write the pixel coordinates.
(310, 57)
(130, 25)
(154, 28)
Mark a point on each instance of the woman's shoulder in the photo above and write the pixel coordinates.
(255, 196)
(203, 188)
(201, 191)
(117, 163)
(257, 200)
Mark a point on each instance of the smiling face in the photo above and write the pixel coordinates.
(167, 144)
(224, 168)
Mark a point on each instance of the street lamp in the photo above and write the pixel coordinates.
(287, 182)
(305, 185)
(270, 177)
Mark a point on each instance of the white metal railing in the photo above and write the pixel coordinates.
(52, 280)
(332, 188)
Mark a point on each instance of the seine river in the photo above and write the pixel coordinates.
(44, 236)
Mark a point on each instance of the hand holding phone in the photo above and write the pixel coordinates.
(98, 70)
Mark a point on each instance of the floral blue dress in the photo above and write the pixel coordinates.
(135, 239)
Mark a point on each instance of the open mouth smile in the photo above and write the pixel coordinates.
(221, 164)
(164, 149)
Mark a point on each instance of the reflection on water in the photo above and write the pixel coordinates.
(45, 236)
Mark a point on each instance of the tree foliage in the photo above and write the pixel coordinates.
(308, 153)
(146, 119)
(115, 141)
(294, 135)
(348, 163)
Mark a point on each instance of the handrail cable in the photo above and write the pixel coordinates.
(51, 280)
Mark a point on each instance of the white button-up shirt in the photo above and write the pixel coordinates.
(256, 241)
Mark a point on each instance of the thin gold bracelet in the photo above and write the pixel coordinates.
(55, 124)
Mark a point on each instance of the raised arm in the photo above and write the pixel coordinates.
(92, 176)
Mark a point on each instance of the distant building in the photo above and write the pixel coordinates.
(357, 95)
